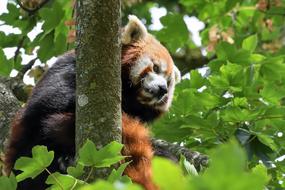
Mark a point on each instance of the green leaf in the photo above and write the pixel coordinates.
(273, 93)
(59, 182)
(250, 43)
(76, 171)
(228, 164)
(261, 170)
(12, 15)
(237, 114)
(226, 51)
(187, 167)
(196, 81)
(46, 50)
(8, 183)
(32, 167)
(5, 65)
(267, 140)
(105, 185)
(171, 177)
(51, 16)
(230, 4)
(174, 33)
(10, 40)
(273, 68)
(117, 175)
(105, 157)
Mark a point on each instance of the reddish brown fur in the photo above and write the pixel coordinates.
(138, 147)
(149, 46)
(145, 71)
(11, 150)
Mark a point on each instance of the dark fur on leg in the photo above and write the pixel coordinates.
(56, 126)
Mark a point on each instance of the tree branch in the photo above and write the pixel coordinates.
(173, 152)
(20, 45)
(16, 84)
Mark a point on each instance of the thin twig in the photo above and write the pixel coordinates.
(20, 45)
(25, 68)
(28, 66)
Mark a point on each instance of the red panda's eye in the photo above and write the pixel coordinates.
(156, 68)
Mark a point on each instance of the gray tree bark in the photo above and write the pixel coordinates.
(98, 78)
(9, 105)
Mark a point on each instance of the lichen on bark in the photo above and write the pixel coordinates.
(8, 107)
(98, 82)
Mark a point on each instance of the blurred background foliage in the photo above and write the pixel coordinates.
(233, 78)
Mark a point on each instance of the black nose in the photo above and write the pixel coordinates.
(162, 90)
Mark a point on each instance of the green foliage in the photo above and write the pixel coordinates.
(8, 183)
(52, 41)
(31, 167)
(89, 157)
(241, 96)
(227, 172)
(174, 37)
(250, 43)
(105, 157)
(100, 184)
(117, 175)
(171, 176)
(228, 164)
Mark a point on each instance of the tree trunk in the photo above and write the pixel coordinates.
(98, 78)
(9, 105)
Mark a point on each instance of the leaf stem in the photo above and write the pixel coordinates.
(74, 185)
(56, 180)
(89, 174)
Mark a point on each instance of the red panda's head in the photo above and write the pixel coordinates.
(148, 67)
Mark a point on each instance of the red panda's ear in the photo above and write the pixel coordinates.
(134, 30)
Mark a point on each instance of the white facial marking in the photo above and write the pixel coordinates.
(139, 66)
(153, 81)
(163, 66)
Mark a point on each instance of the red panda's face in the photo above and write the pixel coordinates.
(150, 67)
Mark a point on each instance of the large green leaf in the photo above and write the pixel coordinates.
(104, 185)
(51, 16)
(63, 182)
(8, 183)
(228, 165)
(171, 177)
(32, 167)
(105, 157)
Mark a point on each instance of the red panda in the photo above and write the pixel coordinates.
(148, 79)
